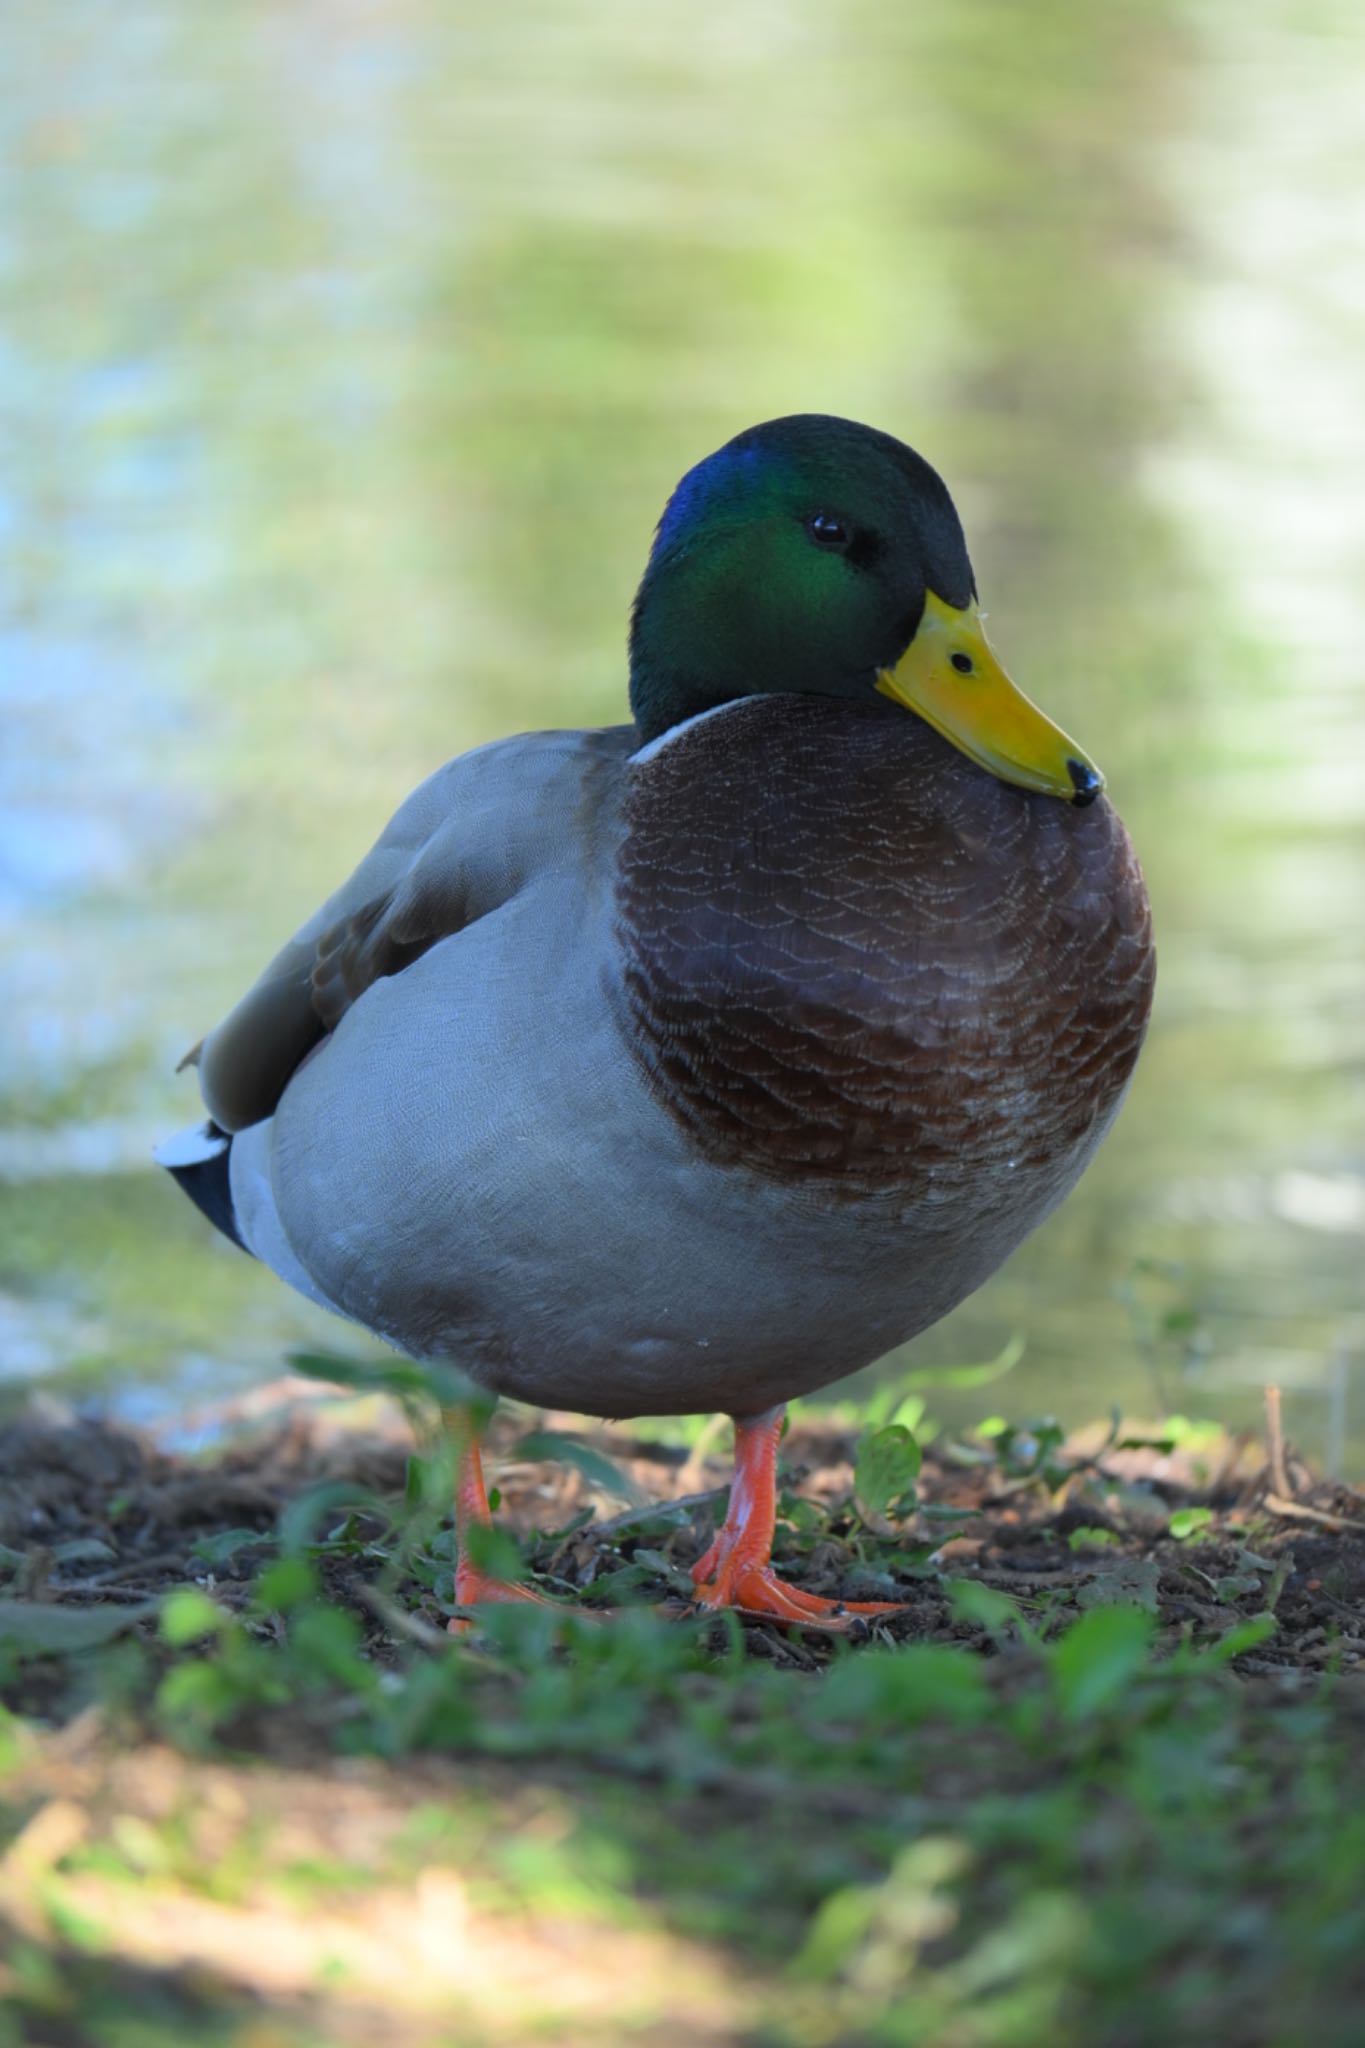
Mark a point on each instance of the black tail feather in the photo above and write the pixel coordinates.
(198, 1160)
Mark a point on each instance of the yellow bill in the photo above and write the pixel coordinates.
(949, 675)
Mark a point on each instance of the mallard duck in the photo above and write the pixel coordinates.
(694, 1063)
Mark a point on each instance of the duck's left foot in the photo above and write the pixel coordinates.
(756, 1589)
(737, 1570)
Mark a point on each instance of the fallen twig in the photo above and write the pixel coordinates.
(1274, 1430)
(649, 1508)
(401, 1623)
(125, 1571)
(1296, 1511)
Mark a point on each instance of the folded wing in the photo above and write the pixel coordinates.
(465, 842)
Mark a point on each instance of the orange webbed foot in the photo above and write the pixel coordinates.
(758, 1591)
(737, 1571)
(474, 1588)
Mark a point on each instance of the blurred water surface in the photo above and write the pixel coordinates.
(348, 353)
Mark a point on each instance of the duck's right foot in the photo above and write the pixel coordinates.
(475, 1588)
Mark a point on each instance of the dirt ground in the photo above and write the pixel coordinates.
(91, 1515)
(633, 1854)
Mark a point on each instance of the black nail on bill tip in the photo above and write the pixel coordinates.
(1085, 782)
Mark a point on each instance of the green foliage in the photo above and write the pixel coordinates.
(1038, 1826)
(875, 1932)
(951, 1847)
(1028, 1450)
(299, 1523)
(1098, 1658)
(493, 1550)
(325, 1645)
(38, 1628)
(420, 1385)
(598, 1469)
(1247, 1635)
(888, 1465)
(282, 1587)
(1130, 1582)
(978, 1375)
(901, 1399)
(889, 1689)
(1095, 1830)
(188, 1616)
(983, 1605)
(1091, 1539)
(12, 1741)
(222, 1545)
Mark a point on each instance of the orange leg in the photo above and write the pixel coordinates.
(736, 1571)
(472, 1584)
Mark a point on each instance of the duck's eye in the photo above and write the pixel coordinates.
(962, 663)
(828, 530)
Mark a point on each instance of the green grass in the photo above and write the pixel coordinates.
(1058, 1821)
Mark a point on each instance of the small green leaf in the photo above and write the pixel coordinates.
(1236, 1585)
(36, 1629)
(1187, 1522)
(888, 1919)
(890, 1405)
(664, 1568)
(888, 1465)
(800, 1515)
(84, 1550)
(13, 1739)
(625, 1579)
(406, 1379)
(196, 1696)
(1098, 1658)
(326, 1641)
(495, 1552)
(969, 1375)
(187, 1616)
(903, 1687)
(223, 1544)
(286, 1585)
(429, 1482)
(1132, 1582)
(971, 1601)
(1279, 1579)
(1254, 1562)
(300, 1518)
(599, 1470)
(1027, 1448)
(1092, 1539)
(1245, 1636)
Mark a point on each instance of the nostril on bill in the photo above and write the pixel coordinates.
(1086, 781)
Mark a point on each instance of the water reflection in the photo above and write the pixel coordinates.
(350, 351)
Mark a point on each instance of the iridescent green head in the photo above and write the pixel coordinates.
(812, 554)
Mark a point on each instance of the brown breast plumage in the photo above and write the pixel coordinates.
(854, 959)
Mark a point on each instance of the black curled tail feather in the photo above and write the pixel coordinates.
(199, 1160)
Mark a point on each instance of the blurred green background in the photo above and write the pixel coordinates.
(347, 354)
